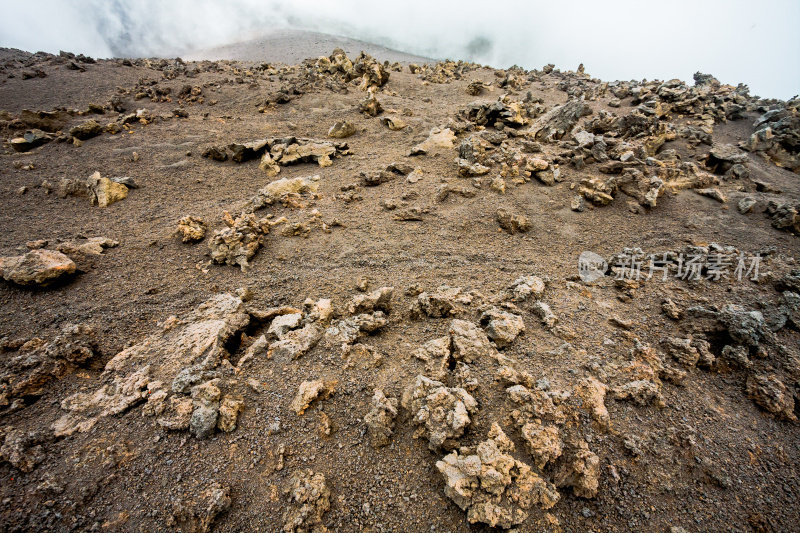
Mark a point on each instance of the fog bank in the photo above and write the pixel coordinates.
(737, 41)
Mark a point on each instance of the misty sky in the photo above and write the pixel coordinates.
(757, 43)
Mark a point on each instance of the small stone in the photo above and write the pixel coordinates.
(671, 309)
(501, 326)
(526, 287)
(87, 130)
(543, 443)
(746, 205)
(469, 342)
(772, 395)
(370, 106)
(394, 123)
(442, 412)
(380, 420)
(192, 229)
(580, 469)
(498, 185)
(215, 153)
(341, 130)
(545, 314)
(513, 223)
(205, 400)
(308, 500)
(229, 411)
(437, 139)
(681, 350)
(308, 392)
(239, 242)
(713, 193)
(104, 191)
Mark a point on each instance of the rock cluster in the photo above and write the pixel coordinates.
(239, 241)
(442, 71)
(503, 112)
(371, 73)
(275, 153)
(559, 121)
(37, 362)
(175, 371)
(491, 485)
(777, 135)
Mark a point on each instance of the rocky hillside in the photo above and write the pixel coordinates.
(354, 295)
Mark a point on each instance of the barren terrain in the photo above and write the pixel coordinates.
(344, 295)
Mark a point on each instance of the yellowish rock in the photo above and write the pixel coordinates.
(106, 192)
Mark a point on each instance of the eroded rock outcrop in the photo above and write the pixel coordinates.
(559, 121)
(37, 363)
(162, 370)
(777, 135)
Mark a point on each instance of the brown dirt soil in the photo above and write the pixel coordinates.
(709, 460)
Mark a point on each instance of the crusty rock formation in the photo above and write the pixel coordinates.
(380, 419)
(192, 229)
(239, 241)
(308, 500)
(186, 352)
(443, 413)
(492, 486)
